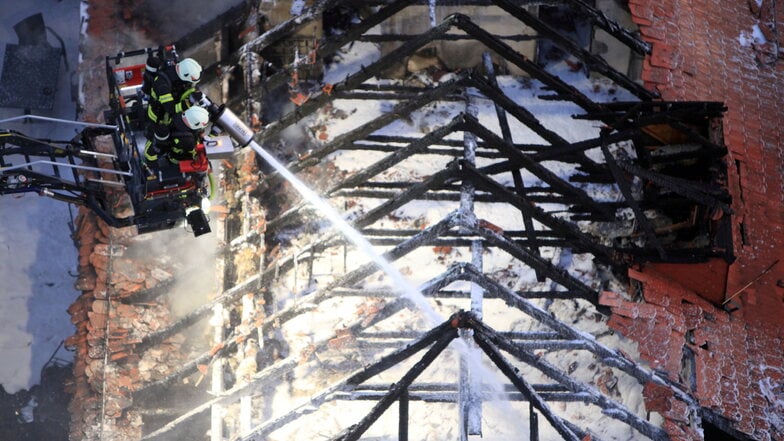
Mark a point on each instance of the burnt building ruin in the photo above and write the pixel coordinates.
(512, 187)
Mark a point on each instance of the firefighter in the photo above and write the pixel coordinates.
(185, 133)
(172, 84)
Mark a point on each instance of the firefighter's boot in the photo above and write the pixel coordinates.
(151, 153)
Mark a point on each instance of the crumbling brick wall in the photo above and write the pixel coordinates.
(724, 361)
(107, 370)
(705, 50)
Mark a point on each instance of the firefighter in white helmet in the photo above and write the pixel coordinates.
(186, 131)
(171, 85)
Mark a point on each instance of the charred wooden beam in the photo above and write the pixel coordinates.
(448, 196)
(530, 148)
(146, 295)
(481, 152)
(551, 346)
(681, 152)
(570, 192)
(319, 99)
(452, 387)
(501, 167)
(435, 181)
(695, 191)
(517, 177)
(561, 227)
(561, 87)
(402, 426)
(328, 46)
(448, 294)
(531, 191)
(706, 108)
(626, 191)
(558, 152)
(623, 35)
(467, 242)
(394, 87)
(524, 387)
(610, 357)
(452, 397)
(388, 148)
(490, 341)
(355, 432)
(387, 96)
(676, 255)
(513, 234)
(529, 336)
(378, 38)
(456, 242)
(545, 267)
(593, 62)
(261, 379)
(469, 401)
(399, 155)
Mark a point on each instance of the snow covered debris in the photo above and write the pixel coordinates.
(38, 257)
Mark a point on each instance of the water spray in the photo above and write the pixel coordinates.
(243, 135)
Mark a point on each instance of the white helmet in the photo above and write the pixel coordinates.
(189, 70)
(196, 117)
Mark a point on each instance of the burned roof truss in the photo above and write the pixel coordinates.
(661, 161)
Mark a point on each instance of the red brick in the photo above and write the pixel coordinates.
(609, 298)
(652, 34)
(647, 311)
(642, 10)
(679, 411)
(657, 398)
(656, 75)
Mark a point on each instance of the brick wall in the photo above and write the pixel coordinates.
(704, 50)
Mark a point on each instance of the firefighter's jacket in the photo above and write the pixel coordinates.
(182, 140)
(168, 95)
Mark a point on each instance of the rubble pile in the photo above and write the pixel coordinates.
(106, 369)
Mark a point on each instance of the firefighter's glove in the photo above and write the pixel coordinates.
(198, 97)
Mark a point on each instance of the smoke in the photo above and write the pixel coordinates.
(191, 262)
